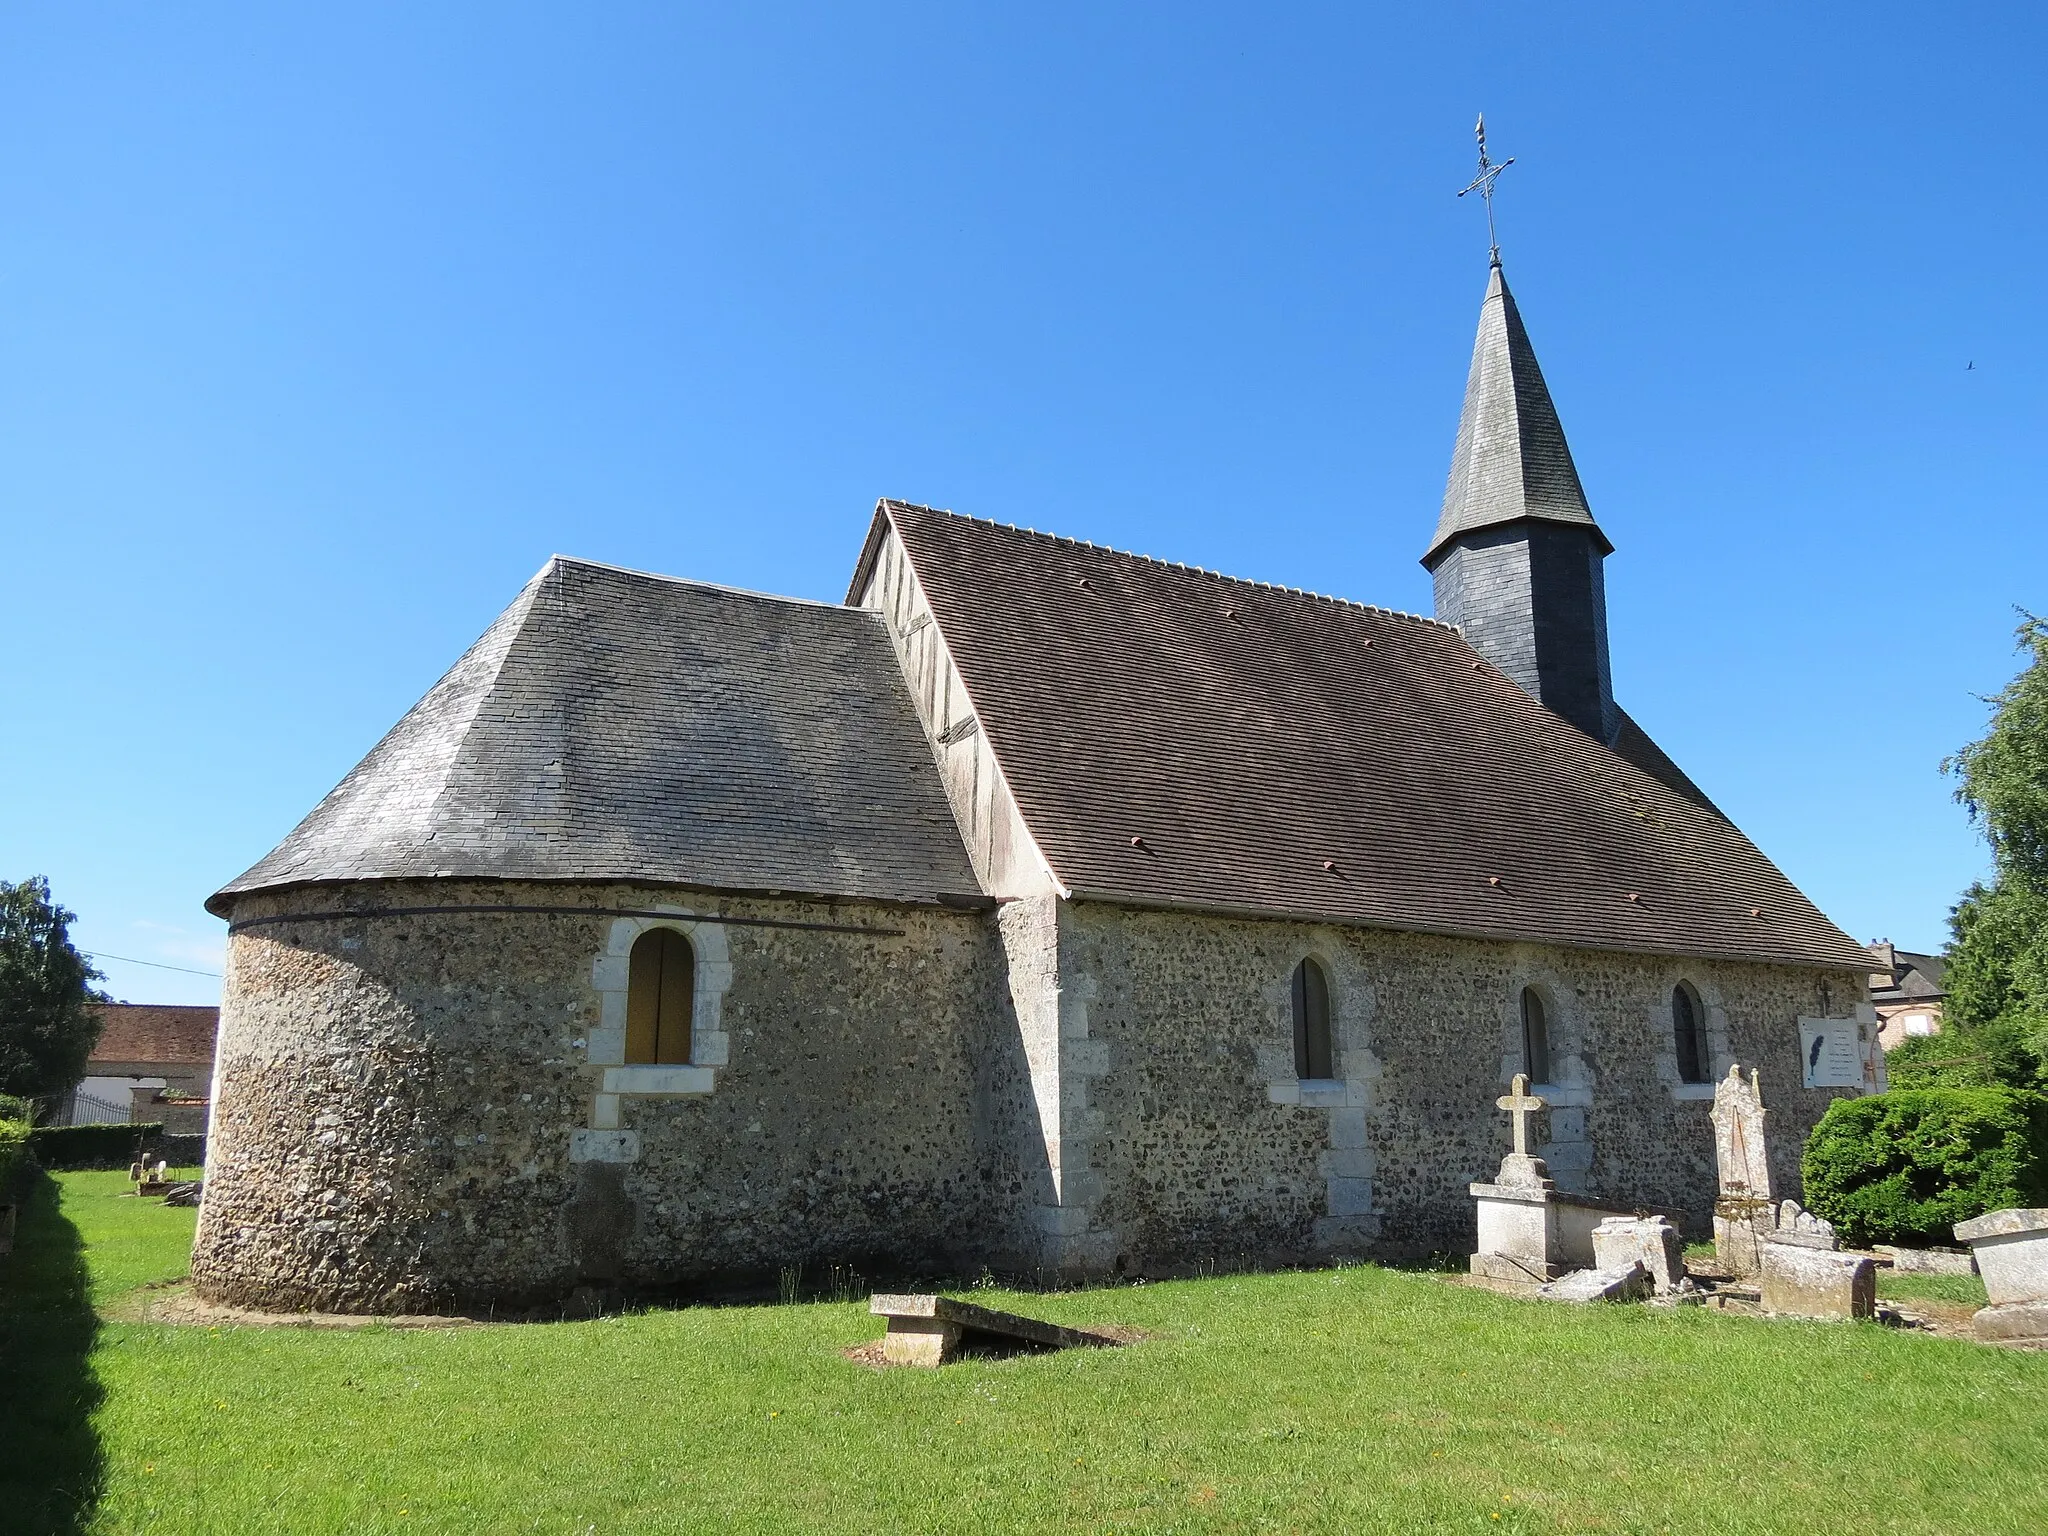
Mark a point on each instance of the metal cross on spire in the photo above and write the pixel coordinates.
(1489, 173)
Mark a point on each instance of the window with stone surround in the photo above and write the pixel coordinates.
(1535, 1037)
(1689, 1033)
(1315, 1057)
(660, 996)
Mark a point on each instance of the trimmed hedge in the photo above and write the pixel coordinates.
(1906, 1166)
(90, 1146)
(13, 1145)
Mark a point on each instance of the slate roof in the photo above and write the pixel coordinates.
(1914, 978)
(170, 1033)
(1511, 462)
(615, 725)
(1245, 734)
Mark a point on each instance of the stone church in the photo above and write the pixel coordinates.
(1040, 907)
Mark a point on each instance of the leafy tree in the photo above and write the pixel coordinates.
(47, 1029)
(1997, 971)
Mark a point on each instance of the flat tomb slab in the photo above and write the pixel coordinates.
(931, 1330)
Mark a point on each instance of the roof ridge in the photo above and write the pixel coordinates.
(688, 581)
(1181, 565)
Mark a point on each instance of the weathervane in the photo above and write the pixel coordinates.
(1489, 173)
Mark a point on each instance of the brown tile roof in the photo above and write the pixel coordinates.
(166, 1032)
(1175, 737)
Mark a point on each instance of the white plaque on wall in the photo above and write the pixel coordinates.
(1831, 1053)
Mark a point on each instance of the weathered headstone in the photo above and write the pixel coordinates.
(1630, 1283)
(1799, 1281)
(1743, 1215)
(1798, 1225)
(1650, 1241)
(2011, 1247)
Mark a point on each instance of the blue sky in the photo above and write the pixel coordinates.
(321, 328)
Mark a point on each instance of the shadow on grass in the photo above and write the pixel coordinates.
(51, 1466)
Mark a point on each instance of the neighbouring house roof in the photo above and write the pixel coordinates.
(1175, 737)
(1903, 976)
(615, 725)
(167, 1033)
(1511, 462)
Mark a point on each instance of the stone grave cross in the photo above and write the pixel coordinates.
(1520, 1104)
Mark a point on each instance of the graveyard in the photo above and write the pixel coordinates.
(1358, 1398)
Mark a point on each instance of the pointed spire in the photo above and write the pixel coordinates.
(1511, 463)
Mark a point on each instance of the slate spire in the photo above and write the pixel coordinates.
(1511, 461)
(1517, 555)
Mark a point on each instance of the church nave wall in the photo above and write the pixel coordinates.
(1207, 1146)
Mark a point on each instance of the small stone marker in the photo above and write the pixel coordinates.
(1743, 1214)
(1798, 1225)
(931, 1330)
(1650, 1241)
(1628, 1284)
(1928, 1261)
(1799, 1281)
(2011, 1247)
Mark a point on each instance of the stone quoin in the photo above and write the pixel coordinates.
(1041, 906)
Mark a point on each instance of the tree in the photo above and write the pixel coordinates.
(1997, 971)
(47, 1028)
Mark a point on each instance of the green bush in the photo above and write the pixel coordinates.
(89, 1146)
(13, 1144)
(1906, 1166)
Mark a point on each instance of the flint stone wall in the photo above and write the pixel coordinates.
(1206, 1146)
(399, 1095)
(398, 1098)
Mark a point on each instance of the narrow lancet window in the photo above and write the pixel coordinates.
(1314, 1054)
(660, 990)
(1686, 1016)
(1535, 1037)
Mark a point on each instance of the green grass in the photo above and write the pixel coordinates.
(1966, 1289)
(1348, 1400)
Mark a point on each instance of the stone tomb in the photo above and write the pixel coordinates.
(2011, 1247)
(1804, 1281)
(932, 1330)
(1528, 1232)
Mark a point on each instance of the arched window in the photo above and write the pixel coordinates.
(660, 988)
(1314, 1056)
(1535, 1037)
(1688, 1026)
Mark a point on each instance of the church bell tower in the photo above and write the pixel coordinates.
(1517, 556)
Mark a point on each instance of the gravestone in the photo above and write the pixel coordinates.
(1743, 1215)
(1799, 1281)
(1650, 1241)
(1799, 1226)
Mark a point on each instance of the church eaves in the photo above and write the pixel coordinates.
(1511, 463)
(612, 725)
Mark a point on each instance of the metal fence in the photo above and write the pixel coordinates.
(85, 1109)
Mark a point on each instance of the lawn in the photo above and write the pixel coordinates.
(1357, 1399)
